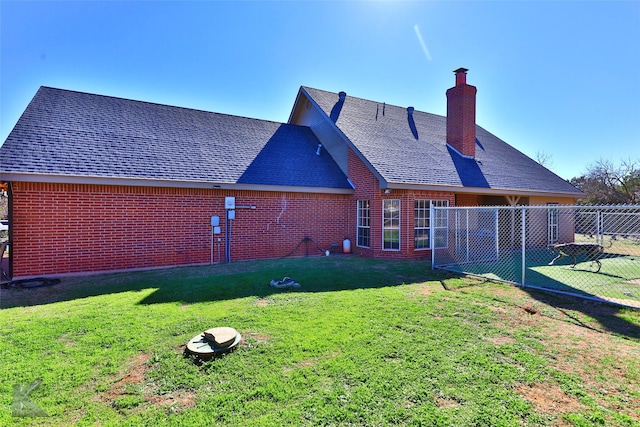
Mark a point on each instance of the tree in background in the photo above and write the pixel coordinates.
(608, 184)
(544, 158)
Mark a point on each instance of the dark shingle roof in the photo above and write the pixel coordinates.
(415, 152)
(67, 133)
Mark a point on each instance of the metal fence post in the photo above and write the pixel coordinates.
(599, 236)
(524, 243)
(497, 233)
(432, 242)
(466, 226)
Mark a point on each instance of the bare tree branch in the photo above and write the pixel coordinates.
(606, 183)
(544, 158)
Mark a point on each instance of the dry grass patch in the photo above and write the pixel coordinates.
(577, 345)
(502, 340)
(254, 336)
(445, 402)
(133, 390)
(583, 352)
(549, 399)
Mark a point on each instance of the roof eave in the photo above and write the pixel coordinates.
(481, 190)
(164, 183)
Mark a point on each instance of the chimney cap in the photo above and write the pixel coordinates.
(461, 76)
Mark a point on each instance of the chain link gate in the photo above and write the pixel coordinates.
(587, 251)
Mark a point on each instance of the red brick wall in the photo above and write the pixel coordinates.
(461, 118)
(69, 228)
(368, 187)
(463, 199)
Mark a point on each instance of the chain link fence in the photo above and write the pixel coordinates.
(587, 251)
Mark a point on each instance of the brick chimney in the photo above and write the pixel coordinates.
(461, 115)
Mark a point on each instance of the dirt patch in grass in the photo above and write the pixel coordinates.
(582, 352)
(258, 337)
(66, 341)
(251, 339)
(134, 384)
(425, 289)
(549, 399)
(135, 374)
(574, 339)
(176, 401)
(306, 363)
(445, 402)
(502, 340)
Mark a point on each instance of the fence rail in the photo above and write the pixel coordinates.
(588, 251)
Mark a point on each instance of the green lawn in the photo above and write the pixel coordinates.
(615, 278)
(361, 342)
(618, 279)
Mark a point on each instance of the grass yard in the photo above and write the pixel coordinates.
(618, 279)
(362, 342)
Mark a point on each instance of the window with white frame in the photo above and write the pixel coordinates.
(391, 224)
(364, 224)
(423, 223)
(552, 222)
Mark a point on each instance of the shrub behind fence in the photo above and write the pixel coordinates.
(588, 251)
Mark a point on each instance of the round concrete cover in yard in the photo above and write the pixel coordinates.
(222, 336)
(214, 341)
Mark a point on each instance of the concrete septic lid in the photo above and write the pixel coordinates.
(222, 336)
(214, 341)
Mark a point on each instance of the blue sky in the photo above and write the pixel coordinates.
(557, 78)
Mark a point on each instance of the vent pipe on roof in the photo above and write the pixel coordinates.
(335, 111)
(412, 123)
(461, 115)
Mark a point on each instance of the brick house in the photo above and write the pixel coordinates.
(99, 183)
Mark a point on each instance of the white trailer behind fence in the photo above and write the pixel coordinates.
(588, 251)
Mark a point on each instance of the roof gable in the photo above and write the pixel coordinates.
(407, 147)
